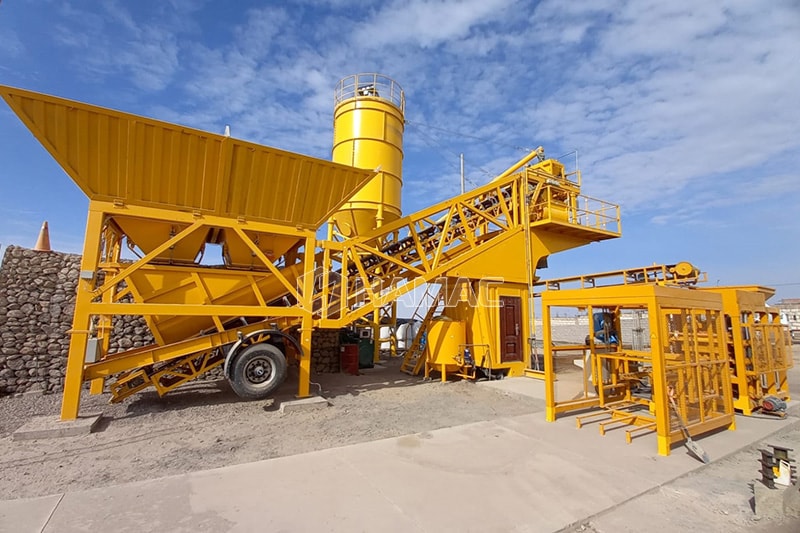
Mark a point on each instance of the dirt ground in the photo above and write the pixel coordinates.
(205, 425)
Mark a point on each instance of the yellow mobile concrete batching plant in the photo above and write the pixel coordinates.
(167, 192)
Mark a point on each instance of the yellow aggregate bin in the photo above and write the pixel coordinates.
(138, 161)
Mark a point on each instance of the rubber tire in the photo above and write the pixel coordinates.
(244, 361)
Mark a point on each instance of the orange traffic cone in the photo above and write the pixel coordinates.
(43, 242)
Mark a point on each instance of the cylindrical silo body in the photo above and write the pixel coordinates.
(368, 125)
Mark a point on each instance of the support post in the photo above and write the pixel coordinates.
(376, 335)
(73, 379)
(549, 367)
(304, 379)
(393, 331)
(104, 328)
(658, 335)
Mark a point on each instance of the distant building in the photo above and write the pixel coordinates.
(790, 315)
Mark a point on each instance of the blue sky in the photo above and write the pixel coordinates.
(686, 113)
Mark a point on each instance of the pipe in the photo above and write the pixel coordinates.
(539, 152)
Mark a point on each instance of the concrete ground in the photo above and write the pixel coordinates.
(515, 473)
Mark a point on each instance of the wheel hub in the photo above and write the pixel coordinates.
(258, 371)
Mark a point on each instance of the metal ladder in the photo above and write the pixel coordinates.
(414, 358)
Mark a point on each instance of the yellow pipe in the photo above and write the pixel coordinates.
(539, 152)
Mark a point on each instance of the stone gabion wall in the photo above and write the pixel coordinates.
(37, 299)
(325, 351)
(37, 293)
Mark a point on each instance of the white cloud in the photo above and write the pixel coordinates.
(427, 23)
(666, 95)
(258, 34)
(656, 97)
(113, 42)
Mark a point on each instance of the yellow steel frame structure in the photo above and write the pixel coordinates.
(358, 275)
(167, 191)
(758, 346)
(687, 360)
(345, 281)
(682, 274)
(117, 293)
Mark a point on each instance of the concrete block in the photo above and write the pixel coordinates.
(50, 427)
(303, 404)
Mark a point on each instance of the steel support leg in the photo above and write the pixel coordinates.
(73, 380)
(304, 379)
(549, 368)
(376, 335)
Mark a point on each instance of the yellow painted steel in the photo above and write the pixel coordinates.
(446, 338)
(478, 304)
(343, 281)
(756, 341)
(115, 156)
(678, 274)
(378, 267)
(368, 126)
(686, 359)
(427, 307)
(168, 192)
(757, 346)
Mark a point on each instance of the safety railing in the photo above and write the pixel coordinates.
(369, 85)
(593, 213)
(556, 204)
(573, 177)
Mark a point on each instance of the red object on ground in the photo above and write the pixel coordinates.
(348, 358)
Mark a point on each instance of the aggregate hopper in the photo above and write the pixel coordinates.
(170, 195)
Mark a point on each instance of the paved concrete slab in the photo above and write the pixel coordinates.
(304, 404)
(512, 474)
(49, 427)
(568, 386)
(525, 386)
(32, 514)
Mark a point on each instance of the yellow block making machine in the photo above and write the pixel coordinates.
(661, 355)
(169, 194)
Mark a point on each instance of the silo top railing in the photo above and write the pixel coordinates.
(370, 86)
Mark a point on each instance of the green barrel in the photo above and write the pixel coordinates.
(366, 349)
